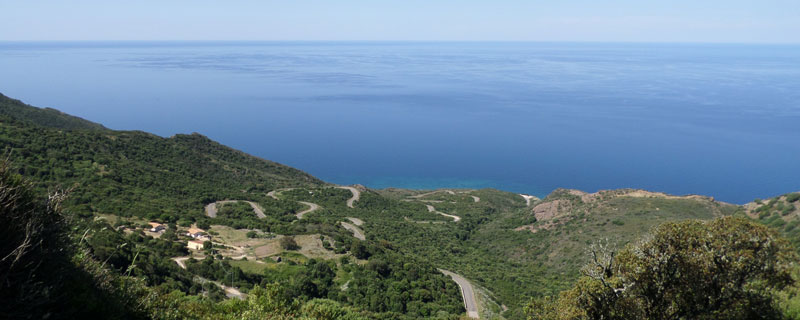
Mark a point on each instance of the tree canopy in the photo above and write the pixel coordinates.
(727, 268)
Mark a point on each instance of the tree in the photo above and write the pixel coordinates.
(288, 243)
(727, 268)
(359, 250)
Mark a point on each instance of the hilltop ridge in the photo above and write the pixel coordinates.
(45, 117)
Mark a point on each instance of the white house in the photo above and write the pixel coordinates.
(197, 233)
(195, 244)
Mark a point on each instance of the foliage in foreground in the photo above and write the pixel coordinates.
(728, 268)
(41, 274)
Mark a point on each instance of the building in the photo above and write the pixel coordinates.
(197, 233)
(195, 244)
(157, 227)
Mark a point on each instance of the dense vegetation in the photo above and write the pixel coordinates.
(121, 179)
(49, 118)
(131, 173)
(516, 265)
(781, 213)
(728, 268)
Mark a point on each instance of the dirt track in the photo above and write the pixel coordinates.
(311, 208)
(211, 208)
(356, 196)
(356, 221)
(355, 230)
(432, 209)
(450, 192)
(180, 261)
(528, 199)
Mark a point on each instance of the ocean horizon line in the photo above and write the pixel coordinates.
(407, 41)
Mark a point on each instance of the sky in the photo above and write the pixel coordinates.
(738, 21)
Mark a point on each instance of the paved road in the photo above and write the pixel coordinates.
(432, 209)
(467, 293)
(356, 196)
(211, 208)
(311, 207)
(355, 230)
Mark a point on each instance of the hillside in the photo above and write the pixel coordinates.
(382, 254)
(518, 251)
(47, 117)
(132, 173)
(119, 181)
(781, 212)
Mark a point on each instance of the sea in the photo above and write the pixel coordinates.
(721, 120)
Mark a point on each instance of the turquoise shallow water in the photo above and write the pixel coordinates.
(719, 120)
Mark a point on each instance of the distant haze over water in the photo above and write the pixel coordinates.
(719, 120)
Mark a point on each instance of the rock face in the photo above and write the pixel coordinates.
(634, 193)
(550, 210)
(562, 204)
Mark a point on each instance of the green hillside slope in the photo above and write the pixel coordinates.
(781, 212)
(375, 251)
(518, 251)
(132, 173)
(119, 180)
(47, 117)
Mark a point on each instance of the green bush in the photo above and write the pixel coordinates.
(288, 243)
(750, 263)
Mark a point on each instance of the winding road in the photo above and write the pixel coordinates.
(274, 193)
(356, 195)
(467, 293)
(355, 230)
(311, 208)
(211, 208)
(356, 221)
(432, 209)
(180, 261)
(451, 192)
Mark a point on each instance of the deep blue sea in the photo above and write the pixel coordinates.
(720, 120)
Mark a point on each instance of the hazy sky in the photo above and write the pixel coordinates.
(538, 20)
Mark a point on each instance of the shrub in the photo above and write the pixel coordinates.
(31, 241)
(729, 269)
(288, 243)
